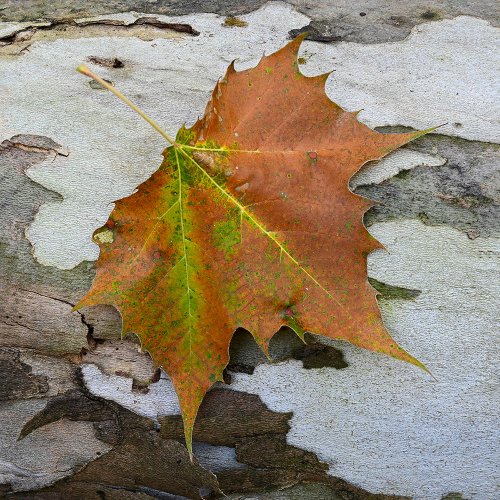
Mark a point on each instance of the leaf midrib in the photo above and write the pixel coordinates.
(186, 264)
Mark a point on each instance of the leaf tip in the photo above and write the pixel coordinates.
(230, 68)
(301, 37)
(414, 361)
(265, 350)
(425, 369)
(420, 133)
(293, 45)
(188, 437)
(190, 451)
(77, 307)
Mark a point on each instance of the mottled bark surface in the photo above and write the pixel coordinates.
(85, 414)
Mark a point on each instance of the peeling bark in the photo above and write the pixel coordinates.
(145, 28)
(144, 459)
(65, 434)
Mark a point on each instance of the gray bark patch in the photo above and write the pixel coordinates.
(36, 310)
(20, 200)
(464, 193)
(17, 380)
(387, 291)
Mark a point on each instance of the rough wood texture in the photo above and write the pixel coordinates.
(84, 414)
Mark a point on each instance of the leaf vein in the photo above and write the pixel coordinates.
(260, 226)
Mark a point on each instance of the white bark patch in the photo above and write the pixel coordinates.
(30, 463)
(160, 400)
(385, 425)
(216, 458)
(444, 72)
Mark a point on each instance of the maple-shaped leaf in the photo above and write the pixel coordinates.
(249, 222)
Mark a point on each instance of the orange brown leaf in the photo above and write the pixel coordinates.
(249, 222)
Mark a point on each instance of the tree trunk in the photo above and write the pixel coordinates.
(85, 414)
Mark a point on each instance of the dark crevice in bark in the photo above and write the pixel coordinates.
(25, 34)
(315, 354)
(245, 354)
(35, 144)
(48, 297)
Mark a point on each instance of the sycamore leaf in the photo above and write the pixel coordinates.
(249, 222)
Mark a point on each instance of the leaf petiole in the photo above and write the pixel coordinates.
(87, 72)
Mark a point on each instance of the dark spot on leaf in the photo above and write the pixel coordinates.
(158, 255)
